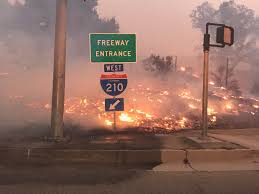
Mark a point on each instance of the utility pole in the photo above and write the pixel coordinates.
(227, 73)
(58, 93)
(175, 58)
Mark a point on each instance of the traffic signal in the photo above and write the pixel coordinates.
(225, 35)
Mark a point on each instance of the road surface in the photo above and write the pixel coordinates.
(81, 179)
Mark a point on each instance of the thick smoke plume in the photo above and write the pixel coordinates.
(27, 29)
(167, 102)
(14, 2)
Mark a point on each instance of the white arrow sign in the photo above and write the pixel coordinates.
(113, 106)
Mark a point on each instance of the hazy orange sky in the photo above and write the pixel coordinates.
(160, 24)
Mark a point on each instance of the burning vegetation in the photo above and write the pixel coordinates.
(165, 110)
(148, 108)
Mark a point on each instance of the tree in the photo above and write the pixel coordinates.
(255, 89)
(245, 23)
(27, 30)
(221, 74)
(159, 66)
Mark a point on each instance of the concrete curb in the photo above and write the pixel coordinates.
(48, 155)
(170, 160)
(251, 143)
(223, 160)
(208, 155)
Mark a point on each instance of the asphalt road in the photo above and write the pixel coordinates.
(81, 179)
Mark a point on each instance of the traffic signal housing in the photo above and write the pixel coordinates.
(225, 35)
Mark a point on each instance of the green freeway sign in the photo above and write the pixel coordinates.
(110, 48)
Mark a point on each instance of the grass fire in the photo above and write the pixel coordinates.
(162, 110)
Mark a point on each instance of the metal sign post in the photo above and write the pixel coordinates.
(225, 36)
(114, 124)
(114, 121)
(205, 94)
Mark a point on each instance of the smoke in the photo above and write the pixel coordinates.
(244, 53)
(27, 30)
(14, 2)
